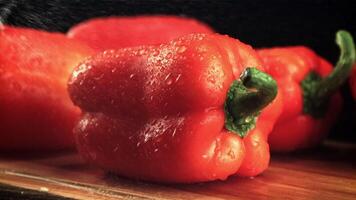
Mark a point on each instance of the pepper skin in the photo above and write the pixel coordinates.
(36, 112)
(173, 113)
(309, 87)
(119, 32)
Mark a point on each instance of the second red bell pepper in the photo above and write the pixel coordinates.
(119, 32)
(190, 110)
(309, 86)
(36, 112)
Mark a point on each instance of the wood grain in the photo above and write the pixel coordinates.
(326, 173)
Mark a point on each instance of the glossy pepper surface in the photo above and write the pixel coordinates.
(36, 112)
(309, 87)
(118, 32)
(184, 111)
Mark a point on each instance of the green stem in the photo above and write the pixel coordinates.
(341, 72)
(317, 90)
(246, 98)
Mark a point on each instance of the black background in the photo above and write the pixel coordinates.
(259, 23)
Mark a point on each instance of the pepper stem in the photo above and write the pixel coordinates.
(246, 98)
(317, 90)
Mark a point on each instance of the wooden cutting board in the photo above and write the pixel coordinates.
(326, 173)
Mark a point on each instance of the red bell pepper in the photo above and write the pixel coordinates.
(118, 32)
(309, 86)
(184, 111)
(36, 112)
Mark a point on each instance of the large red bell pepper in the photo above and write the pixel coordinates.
(186, 111)
(35, 110)
(309, 86)
(118, 32)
